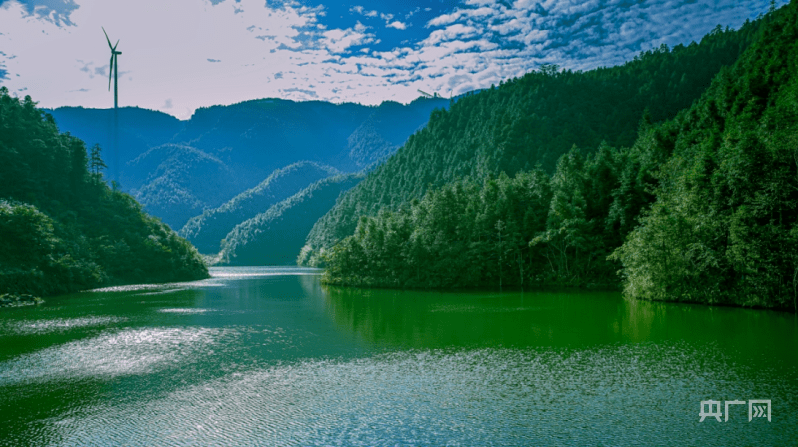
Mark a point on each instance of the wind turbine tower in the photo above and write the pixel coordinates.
(114, 72)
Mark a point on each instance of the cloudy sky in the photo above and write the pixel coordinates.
(178, 55)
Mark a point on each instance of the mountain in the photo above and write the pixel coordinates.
(62, 228)
(532, 121)
(276, 236)
(250, 139)
(208, 229)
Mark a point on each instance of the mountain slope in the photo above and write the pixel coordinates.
(704, 207)
(208, 229)
(275, 236)
(534, 120)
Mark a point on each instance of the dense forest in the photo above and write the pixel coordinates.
(699, 207)
(531, 121)
(62, 228)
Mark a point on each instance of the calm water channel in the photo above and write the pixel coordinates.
(268, 356)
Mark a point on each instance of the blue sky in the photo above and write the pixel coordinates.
(178, 55)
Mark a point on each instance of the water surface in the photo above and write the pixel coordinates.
(268, 356)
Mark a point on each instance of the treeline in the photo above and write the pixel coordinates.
(61, 227)
(701, 208)
(533, 120)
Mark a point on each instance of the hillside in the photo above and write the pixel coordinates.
(531, 121)
(139, 131)
(275, 237)
(207, 230)
(61, 227)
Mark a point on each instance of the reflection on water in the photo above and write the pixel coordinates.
(265, 356)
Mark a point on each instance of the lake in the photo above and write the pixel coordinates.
(269, 356)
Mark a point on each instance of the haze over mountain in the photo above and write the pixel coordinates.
(178, 169)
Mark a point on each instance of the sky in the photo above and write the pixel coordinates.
(178, 55)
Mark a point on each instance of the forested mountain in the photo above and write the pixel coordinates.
(700, 208)
(275, 237)
(531, 121)
(177, 169)
(61, 227)
(207, 230)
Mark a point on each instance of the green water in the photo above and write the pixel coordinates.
(265, 356)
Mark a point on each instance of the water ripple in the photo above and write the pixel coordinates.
(130, 351)
(626, 394)
(26, 327)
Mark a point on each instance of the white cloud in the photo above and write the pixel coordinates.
(337, 41)
(397, 24)
(451, 32)
(361, 28)
(362, 11)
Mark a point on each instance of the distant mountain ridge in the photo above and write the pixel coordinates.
(249, 139)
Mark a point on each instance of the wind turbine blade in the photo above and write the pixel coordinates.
(111, 72)
(106, 38)
(117, 44)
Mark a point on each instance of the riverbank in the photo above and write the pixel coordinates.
(14, 300)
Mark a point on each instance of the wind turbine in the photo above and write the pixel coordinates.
(114, 71)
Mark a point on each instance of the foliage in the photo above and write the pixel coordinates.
(530, 229)
(62, 228)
